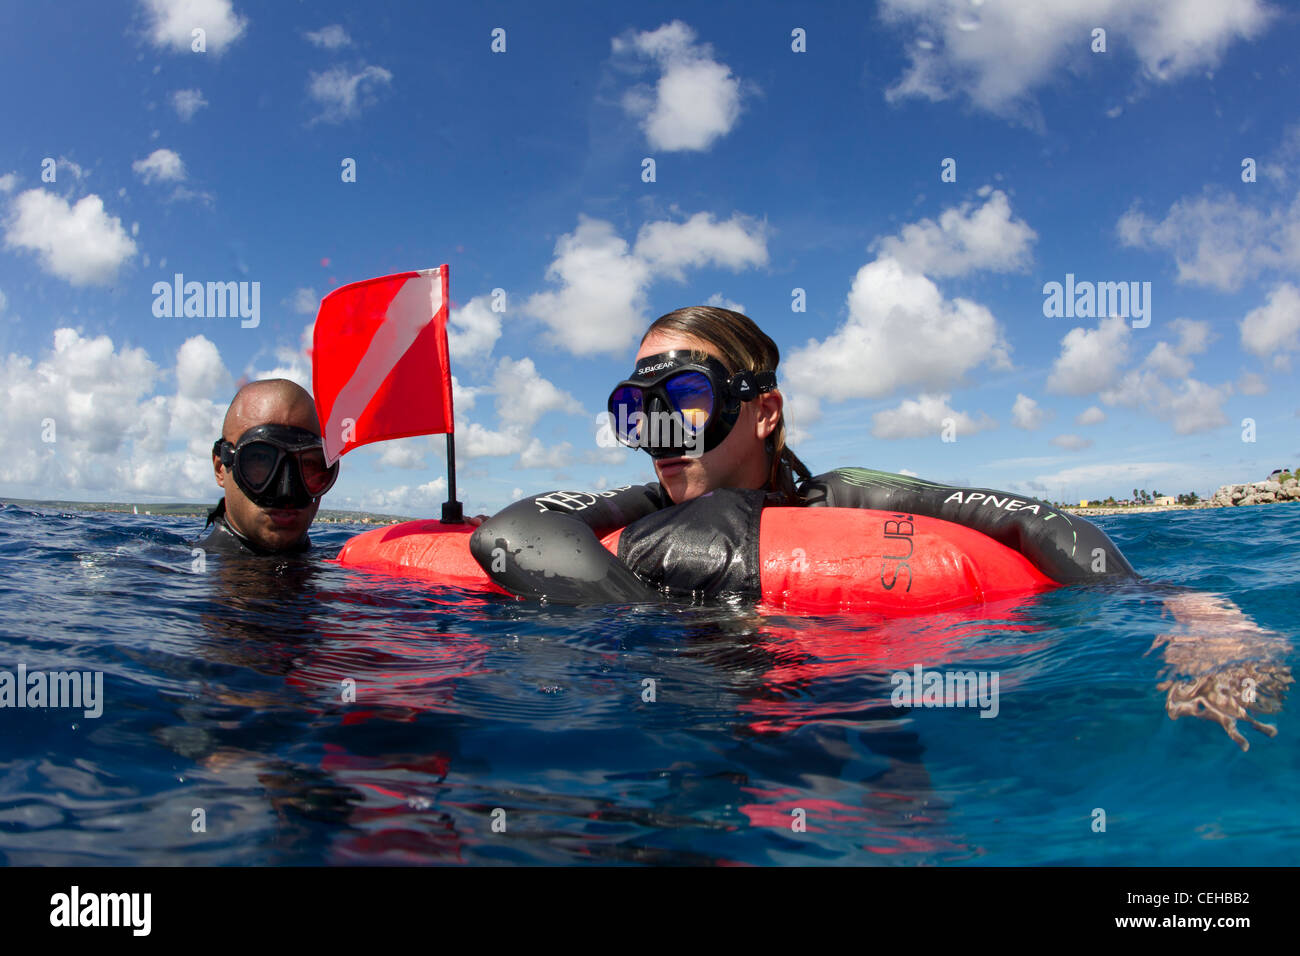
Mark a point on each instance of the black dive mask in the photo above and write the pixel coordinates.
(676, 405)
(278, 466)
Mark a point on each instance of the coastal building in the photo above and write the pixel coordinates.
(1165, 500)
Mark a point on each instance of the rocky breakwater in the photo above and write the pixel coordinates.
(1257, 493)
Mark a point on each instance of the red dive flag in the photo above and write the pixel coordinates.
(379, 361)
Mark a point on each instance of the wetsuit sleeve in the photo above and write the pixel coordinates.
(706, 547)
(549, 545)
(1065, 547)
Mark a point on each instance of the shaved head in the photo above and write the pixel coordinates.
(273, 401)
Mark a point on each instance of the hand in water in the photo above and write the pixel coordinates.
(1226, 665)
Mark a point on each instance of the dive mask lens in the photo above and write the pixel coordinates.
(257, 462)
(315, 474)
(691, 395)
(280, 466)
(625, 405)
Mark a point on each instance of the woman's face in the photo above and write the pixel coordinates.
(741, 460)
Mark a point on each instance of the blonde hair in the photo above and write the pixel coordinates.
(742, 346)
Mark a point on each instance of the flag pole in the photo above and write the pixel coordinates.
(452, 512)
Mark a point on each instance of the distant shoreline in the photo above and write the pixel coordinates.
(1141, 509)
(192, 510)
(188, 510)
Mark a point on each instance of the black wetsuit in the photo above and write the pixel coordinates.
(549, 545)
(226, 540)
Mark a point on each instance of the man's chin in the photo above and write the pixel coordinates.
(284, 526)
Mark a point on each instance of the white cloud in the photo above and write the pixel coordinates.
(74, 170)
(1252, 384)
(1090, 416)
(1090, 359)
(601, 300)
(481, 442)
(926, 416)
(965, 238)
(997, 53)
(341, 93)
(524, 396)
(188, 102)
(1194, 336)
(172, 23)
(3, 301)
(1164, 361)
(290, 363)
(473, 329)
(1095, 360)
(901, 331)
(7, 182)
(182, 193)
(200, 372)
(1273, 329)
(1072, 442)
(540, 455)
(719, 301)
(1219, 241)
(1282, 165)
(112, 435)
(463, 396)
(305, 301)
(695, 100)
(668, 247)
(1189, 405)
(1027, 414)
(332, 37)
(405, 453)
(1095, 477)
(406, 499)
(81, 244)
(161, 166)
(616, 455)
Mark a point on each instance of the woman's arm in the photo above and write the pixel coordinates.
(548, 546)
(1220, 664)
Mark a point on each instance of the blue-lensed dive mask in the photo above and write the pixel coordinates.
(680, 404)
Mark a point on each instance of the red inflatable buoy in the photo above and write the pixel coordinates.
(427, 550)
(813, 560)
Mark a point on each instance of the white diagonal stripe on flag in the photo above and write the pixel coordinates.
(412, 309)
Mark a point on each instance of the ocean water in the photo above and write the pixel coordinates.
(491, 731)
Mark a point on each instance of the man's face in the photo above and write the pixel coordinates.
(273, 529)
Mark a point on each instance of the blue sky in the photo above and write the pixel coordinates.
(775, 170)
